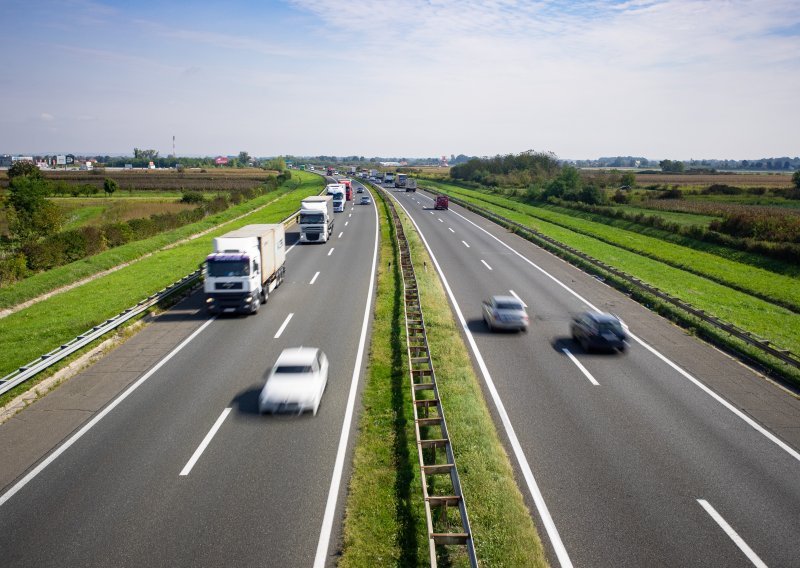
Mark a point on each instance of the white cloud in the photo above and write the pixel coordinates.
(46, 117)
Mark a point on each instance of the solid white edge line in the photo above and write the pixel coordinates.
(206, 441)
(732, 534)
(530, 480)
(338, 468)
(283, 325)
(330, 252)
(524, 305)
(66, 445)
(581, 367)
(314, 279)
(752, 423)
(465, 244)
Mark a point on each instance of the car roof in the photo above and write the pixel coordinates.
(297, 356)
(505, 299)
(602, 317)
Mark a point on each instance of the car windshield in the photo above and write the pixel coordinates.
(612, 326)
(292, 369)
(508, 306)
(228, 268)
(311, 218)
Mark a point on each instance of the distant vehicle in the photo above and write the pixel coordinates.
(348, 188)
(411, 184)
(352, 170)
(246, 265)
(599, 330)
(388, 179)
(400, 180)
(339, 200)
(316, 219)
(365, 200)
(296, 382)
(329, 170)
(505, 312)
(442, 202)
(360, 189)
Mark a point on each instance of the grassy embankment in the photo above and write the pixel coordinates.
(44, 282)
(385, 519)
(44, 326)
(748, 297)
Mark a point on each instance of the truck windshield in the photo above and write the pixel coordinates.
(311, 218)
(228, 268)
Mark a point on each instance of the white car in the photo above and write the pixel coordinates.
(296, 382)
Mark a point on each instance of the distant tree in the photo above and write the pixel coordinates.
(671, 166)
(23, 168)
(244, 158)
(628, 179)
(145, 154)
(110, 186)
(796, 179)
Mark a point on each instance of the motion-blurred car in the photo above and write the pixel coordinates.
(296, 382)
(599, 330)
(360, 189)
(505, 312)
(365, 200)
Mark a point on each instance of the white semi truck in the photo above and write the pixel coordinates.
(246, 266)
(316, 219)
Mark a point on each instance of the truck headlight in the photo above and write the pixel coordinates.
(248, 299)
(209, 300)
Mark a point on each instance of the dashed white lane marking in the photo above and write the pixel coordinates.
(734, 536)
(524, 305)
(345, 223)
(314, 279)
(586, 373)
(465, 244)
(340, 235)
(207, 440)
(283, 325)
(486, 264)
(451, 229)
(330, 252)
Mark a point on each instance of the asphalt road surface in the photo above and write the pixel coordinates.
(671, 454)
(182, 470)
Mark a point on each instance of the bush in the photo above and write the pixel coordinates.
(117, 234)
(192, 197)
(12, 269)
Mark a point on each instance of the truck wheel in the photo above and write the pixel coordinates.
(256, 305)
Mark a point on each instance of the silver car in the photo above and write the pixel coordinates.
(505, 312)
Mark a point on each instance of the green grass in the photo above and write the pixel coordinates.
(44, 282)
(82, 216)
(385, 522)
(44, 326)
(765, 319)
(683, 219)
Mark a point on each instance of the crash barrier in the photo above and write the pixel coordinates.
(749, 338)
(441, 486)
(47, 360)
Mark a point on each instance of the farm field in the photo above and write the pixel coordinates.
(768, 180)
(668, 214)
(749, 297)
(80, 212)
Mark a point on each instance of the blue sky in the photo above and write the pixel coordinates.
(674, 79)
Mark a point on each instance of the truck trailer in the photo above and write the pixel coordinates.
(316, 219)
(400, 180)
(411, 184)
(246, 266)
(442, 202)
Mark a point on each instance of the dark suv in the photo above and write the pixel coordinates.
(598, 330)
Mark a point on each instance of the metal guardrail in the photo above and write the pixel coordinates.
(751, 339)
(48, 359)
(441, 486)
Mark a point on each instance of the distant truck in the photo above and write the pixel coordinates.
(411, 184)
(352, 170)
(388, 178)
(329, 170)
(246, 265)
(348, 188)
(337, 192)
(442, 202)
(400, 180)
(373, 173)
(316, 219)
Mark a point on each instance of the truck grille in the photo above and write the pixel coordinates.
(227, 285)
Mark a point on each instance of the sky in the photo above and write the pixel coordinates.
(675, 79)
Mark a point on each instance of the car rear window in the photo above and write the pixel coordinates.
(508, 306)
(612, 326)
(293, 369)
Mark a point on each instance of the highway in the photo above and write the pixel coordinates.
(671, 454)
(180, 469)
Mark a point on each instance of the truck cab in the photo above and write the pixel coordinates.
(442, 202)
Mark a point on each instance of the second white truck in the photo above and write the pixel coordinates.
(316, 219)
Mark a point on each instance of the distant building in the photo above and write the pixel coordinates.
(5, 161)
(221, 161)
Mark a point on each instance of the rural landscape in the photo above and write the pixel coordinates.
(452, 284)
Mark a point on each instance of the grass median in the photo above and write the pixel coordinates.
(44, 326)
(385, 521)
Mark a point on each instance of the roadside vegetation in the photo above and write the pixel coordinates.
(39, 328)
(385, 521)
